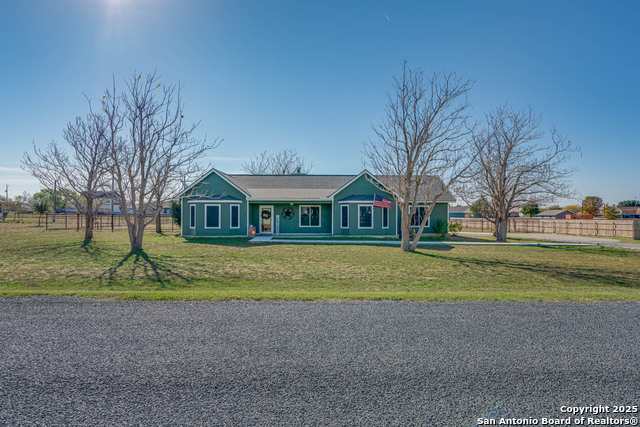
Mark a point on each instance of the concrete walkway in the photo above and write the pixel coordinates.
(271, 239)
(564, 238)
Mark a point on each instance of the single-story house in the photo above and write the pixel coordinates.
(460, 212)
(465, 212)
(220, 204)
(555, 214)
(629, 212)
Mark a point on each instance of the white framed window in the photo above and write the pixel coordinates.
(385, 218)
(192, 216)
(365, 216)
(344, 216)
(211, 216)
(416, 219)
(234, 216)
(310, 216)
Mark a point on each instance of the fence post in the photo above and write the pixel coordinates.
(46, 221)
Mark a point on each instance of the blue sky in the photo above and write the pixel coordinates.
(314, 75)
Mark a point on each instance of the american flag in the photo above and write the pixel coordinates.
(381, 202)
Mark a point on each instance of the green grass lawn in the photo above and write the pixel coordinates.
(34, 261)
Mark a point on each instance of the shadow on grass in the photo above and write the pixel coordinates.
(601, 276)
(158, 271)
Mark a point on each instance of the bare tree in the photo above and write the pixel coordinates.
(80, 174)
(287, 161)
(150, 148)
(423, 144)
(512, 168)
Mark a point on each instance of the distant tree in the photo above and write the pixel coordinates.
(480, 208)
(531, 208)
(591, 205)
(555, 208)
(628, 203)
(513, 167)
(574, 208)
(176, 211)
(61, 201)
(610, 212)
(287, 161)
(41, 204)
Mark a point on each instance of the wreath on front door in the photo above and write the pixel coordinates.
(266, 214)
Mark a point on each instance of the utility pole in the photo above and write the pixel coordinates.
(6, 192)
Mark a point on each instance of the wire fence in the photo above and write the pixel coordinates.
(78, 222)
(624, 228)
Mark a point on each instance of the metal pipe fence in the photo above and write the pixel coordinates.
(78, 222)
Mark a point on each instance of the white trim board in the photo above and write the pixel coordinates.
(214, 201)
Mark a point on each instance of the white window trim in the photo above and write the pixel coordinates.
(341, 224)
(372, 217)
(192, 224)
(319, 216)
(231, 216)
(421, 205)
(219, 217)
(388, 217)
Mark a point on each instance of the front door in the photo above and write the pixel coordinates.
(266, 219)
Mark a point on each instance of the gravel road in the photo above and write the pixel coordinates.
(67, 361)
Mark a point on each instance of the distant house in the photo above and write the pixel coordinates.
(515, 212)
(109, 203)
(629, 212)
(465, 212)
(555, 214)
(459, 212)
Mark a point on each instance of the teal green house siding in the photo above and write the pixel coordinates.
(221, 192)
(362, 186)
(291, 225)
(440, 212)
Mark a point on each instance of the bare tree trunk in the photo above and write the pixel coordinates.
(136, 232)
(158, 224)
(88, 227)
(405, 223)
(501, 230)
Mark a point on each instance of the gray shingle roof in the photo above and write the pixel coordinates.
(298, 187)
(290, 187)
(554, 212)
(431, 181)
